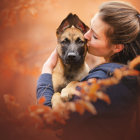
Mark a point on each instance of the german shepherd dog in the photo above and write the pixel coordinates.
(72, 49)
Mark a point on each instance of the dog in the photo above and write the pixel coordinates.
(71, 65)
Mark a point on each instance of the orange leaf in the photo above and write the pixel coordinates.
(79, 107)
(33, 11)
(33, 108)
(94, 88)
(103, 97)
(41, 100)
(134, 62)
(90, 107)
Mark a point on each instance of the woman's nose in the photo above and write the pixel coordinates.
(87, 35)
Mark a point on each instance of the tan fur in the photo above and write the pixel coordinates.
(58, 77)
(58, 74)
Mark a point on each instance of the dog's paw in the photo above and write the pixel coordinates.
(65, 95)
(56, 100)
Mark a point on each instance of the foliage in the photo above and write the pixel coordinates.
(12, 10)
(39, 118)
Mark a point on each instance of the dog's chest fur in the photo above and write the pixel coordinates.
(64, 75)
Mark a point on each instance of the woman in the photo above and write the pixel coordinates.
(114, 35)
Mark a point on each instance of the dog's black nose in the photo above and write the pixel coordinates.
(71, 55)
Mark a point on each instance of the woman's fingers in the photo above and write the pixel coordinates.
(51, 62)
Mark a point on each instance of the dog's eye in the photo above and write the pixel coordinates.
(79, 41)
(66, 41)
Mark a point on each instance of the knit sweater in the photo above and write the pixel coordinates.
(114, 121)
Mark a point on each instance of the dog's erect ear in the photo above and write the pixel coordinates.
(72, 20)
(64, 24)
(80, 25)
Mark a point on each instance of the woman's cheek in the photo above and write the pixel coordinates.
(92, 44)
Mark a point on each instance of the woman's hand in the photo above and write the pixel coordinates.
(50, 64)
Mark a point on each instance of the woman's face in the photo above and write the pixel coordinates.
(98, 43)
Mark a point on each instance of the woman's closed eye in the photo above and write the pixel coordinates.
(95, 37)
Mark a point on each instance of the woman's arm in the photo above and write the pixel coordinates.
(45, 88)
(44, 83)
(122, 95)
(50, 64)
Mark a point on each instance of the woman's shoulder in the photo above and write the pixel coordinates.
(107, 67)
(103, 71)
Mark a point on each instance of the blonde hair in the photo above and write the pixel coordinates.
(124, 21)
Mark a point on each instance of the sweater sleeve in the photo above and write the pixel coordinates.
(45, 88)
(122, 95)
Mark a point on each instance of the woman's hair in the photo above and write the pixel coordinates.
(124, 21)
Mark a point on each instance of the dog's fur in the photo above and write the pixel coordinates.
(72, 49)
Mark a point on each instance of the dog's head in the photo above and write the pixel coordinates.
(71, 42)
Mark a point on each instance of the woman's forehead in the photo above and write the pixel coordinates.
(99, 26)
(96, 16)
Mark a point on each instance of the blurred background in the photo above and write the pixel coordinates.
(27, 37)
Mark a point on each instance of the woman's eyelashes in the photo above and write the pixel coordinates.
(95, 37)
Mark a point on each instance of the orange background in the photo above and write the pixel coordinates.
(27, 37)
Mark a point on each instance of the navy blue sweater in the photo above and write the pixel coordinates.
(117, 116)
(45, 87)
(103, 71)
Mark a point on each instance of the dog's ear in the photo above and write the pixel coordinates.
(66, 23)
(69, 21)
(80, 25)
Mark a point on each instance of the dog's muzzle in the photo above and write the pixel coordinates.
(71, 55)
(71, 58)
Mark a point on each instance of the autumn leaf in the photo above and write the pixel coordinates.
(33, 11)
(79, 107)
(42, 100)
(135, 62)
(102, 96)
(90, 107)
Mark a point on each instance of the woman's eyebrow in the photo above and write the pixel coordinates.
(92, 29)
(94, 32)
